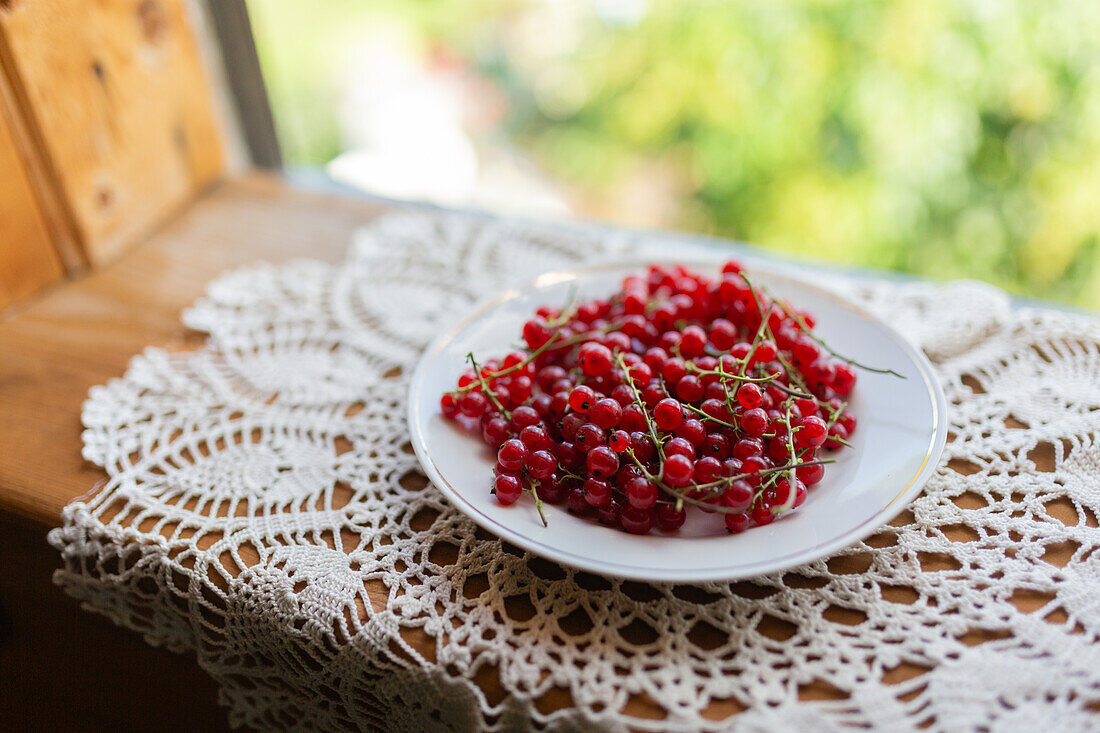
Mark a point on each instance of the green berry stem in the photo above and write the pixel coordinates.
(485, 387)
(641, 406)
(806, 330)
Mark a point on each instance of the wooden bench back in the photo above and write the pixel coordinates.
(107, 125)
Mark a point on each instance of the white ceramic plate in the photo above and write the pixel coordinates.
(897, 445)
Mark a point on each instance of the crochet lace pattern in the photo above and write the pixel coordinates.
(264, 511)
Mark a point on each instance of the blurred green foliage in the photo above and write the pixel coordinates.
(947, 138)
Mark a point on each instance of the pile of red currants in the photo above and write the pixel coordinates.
(678, 391)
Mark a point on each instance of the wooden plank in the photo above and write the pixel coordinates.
(40, 176)
(119, 106)
(28, 259)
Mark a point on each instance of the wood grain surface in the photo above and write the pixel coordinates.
(84, 333)
(118, 105)
(28, 260)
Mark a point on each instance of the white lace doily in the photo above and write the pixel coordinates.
(258, 487)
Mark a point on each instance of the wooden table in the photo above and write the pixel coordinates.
(52, 350)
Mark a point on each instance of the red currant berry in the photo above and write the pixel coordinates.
(519, 391)
(590, 436)
(634, 302)
(669, 519)
(636, 521)
(535, 334)
(513, 359)
(447, 405)
(810, 475)
(806, 407)
(554, 490)
(689, 389)
(632, 325)
(582, 398)
(677, 470)
(738, 496)
(474, 404)
(762, 515)
(619, 441)
(753, 465)
(819, 374)
(541, 464)
(523, 416)
(844, 380)
(736, 523)
(707, 469)
(577, 503)
(567, 454)
(495, 431)
(623, 394)
(468, 377)
(746, 447)
(805, 351)
(679, 447)
(609, 513)
(618, 341)
(673, 371)
(602, 462)
(765, 352)
(507, 488)
(559, 405)
(625, 474)
(655, 357)
(503, 396)
(715, 409)
(640, 492)
(653, 393)
(512, 454)
(692, 431)
(535, 437)
(783, 493)
(749, 396)
(596, 492)
(836, 434)
(717, 445)
(664, 316)
(707, 363)
(693, 340)
(810, 432)
(640, 374)
(594, 359)
(722, 334)
(549, 375)
(714, 390)
(632, 419)
(778, 450)
(606, 413)
(731, 467)
(642, 446)
(570, 424)
(668, 414)
(754, 422)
